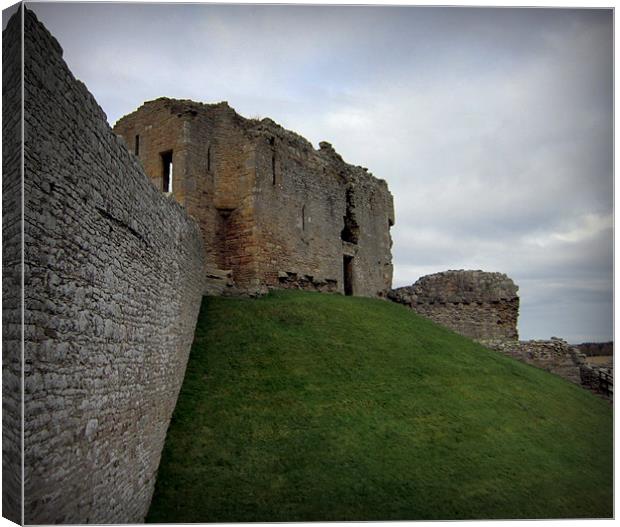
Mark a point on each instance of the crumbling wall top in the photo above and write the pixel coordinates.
(462, 286)
(256, 128)
(476, 304)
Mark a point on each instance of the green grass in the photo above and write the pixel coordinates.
(306, 406)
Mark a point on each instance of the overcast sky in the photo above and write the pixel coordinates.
(492, 127)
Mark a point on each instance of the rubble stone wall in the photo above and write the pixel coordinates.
(558, 357)
(476, 304)
(11, 271)
(485, 307)
(213, 173)
(113, 282)
(554, 355)
(305, 207)
(273, 210)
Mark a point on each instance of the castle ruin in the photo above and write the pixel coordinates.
(273, 211)
(477, 304)
(103, 274)
(484, 307)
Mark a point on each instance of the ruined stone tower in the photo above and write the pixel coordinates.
(273, 210)
(480, 305)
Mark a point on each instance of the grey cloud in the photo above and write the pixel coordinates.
(493, 127)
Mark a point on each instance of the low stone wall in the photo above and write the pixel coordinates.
(554, 355)
(113, 274)
(485, 307)
(558, 357)
(476, 304)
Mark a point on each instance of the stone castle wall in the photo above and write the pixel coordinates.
(476, 304)
(207, 152)
(554, 355)
(306, 205)
(272, 209)
(560, 358)
(485, 307)
(113, 280)
(11, 271)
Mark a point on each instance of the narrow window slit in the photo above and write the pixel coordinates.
(137, 145)
(166, 159)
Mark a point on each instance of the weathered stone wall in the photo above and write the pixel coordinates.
(485, 307)
(272, 209)
(558, 357)
(554, 355)
(113, 282)
(11, 271)
(212, 173)
(319, 210)
(476, 304)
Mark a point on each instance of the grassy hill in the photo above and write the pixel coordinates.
(306, 406)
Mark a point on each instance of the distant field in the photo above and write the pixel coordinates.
(306, 406)
(596, 348)
(601, 360)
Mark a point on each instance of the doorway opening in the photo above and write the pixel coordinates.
(166, 160)
(347, 267)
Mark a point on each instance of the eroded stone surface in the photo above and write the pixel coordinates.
(476, 304)
(484, 307)
(11, 271)
(273, 210)
(114, 276)
(553, 355)
(557, 356)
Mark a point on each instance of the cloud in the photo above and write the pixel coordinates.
(493, 127)
(583, 228)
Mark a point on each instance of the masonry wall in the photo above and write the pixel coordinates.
(271, 207)
(302, 208)
(11, 270)
(560, 358)
(485, 307)
(300, 211)
(213, 173)
(113, 283)
(554, 356)
(476, 304)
